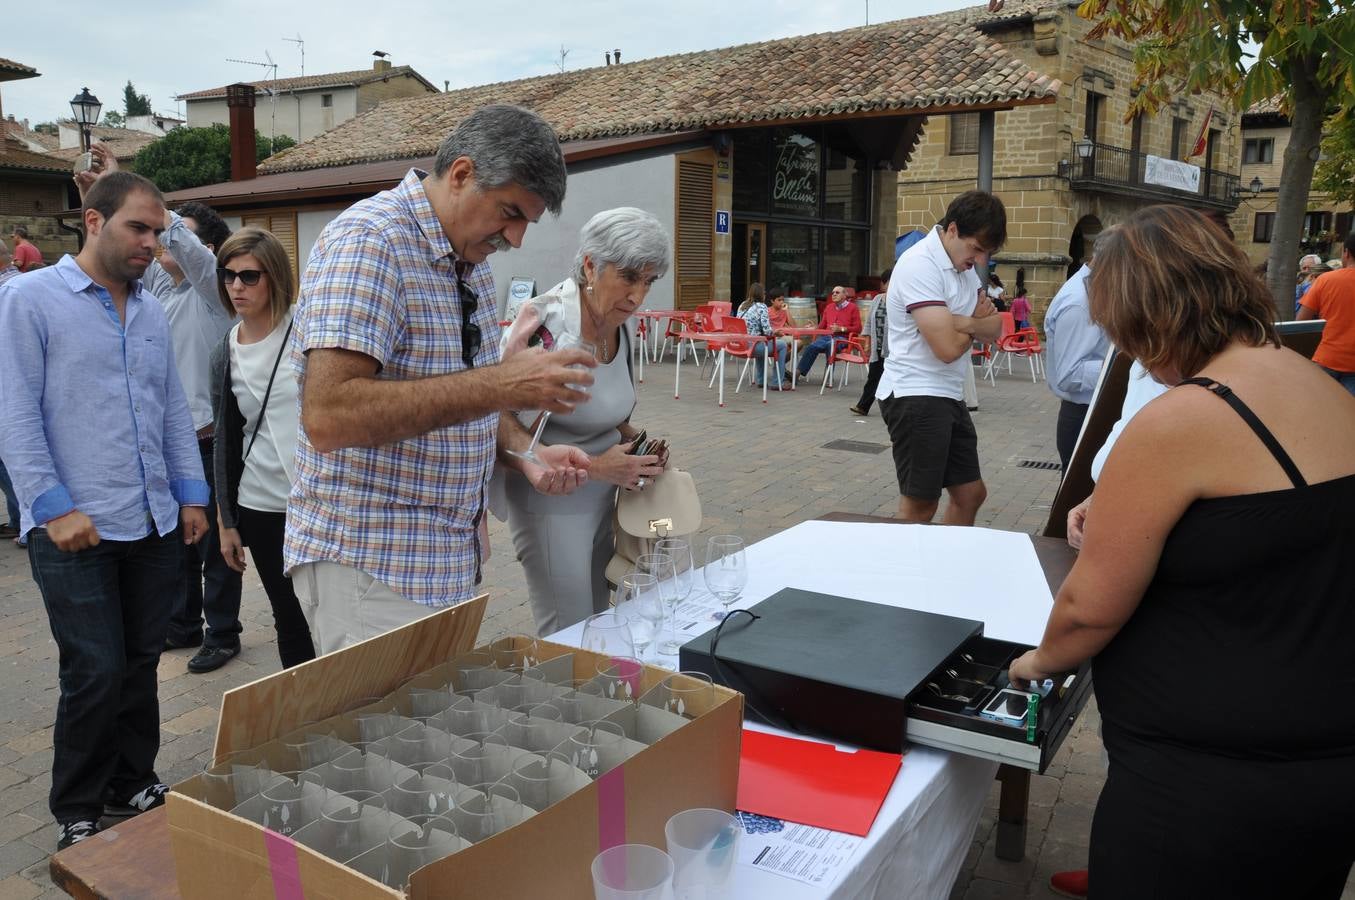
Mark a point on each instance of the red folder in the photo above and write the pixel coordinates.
(813, 783)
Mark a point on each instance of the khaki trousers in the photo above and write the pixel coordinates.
(344, 605)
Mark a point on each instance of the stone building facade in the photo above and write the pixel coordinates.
(1056, 200)
(1265, 137)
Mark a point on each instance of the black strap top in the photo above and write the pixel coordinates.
(1240, 646)
(1262, 432)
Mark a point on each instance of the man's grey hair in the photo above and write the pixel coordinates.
(624, 238)
(1099, 242)
(1311, 259)
(508, 145)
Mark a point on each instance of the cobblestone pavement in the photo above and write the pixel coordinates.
(759, 468)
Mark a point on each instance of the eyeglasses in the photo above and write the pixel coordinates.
(249, 276)
(470, 332)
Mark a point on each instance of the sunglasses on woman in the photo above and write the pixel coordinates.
(249, 276)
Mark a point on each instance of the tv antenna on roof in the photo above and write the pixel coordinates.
(300, 45)
(273, 94)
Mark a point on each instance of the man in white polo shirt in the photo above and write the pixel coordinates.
(936, 309)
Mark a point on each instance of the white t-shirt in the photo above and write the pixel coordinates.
(270, 468)
(925, 276)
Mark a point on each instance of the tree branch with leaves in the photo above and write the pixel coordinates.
(1298, 51)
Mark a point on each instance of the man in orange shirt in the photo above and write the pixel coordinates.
(1332, 297)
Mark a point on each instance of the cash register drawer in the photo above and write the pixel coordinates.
(946, 712)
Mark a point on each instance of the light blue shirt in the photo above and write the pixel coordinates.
(1076, 346)
(92, 414)
(197, 320)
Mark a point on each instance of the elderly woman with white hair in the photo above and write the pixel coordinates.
(565, 542)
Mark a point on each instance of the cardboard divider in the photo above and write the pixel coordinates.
(692, 763)
(273, 706)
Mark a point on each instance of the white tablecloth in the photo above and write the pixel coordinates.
(919, 840)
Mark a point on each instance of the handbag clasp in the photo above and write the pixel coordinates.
(656, 524)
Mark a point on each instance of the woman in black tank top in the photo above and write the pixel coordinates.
(1215, 594)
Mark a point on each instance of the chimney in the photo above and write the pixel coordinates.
(381, 65)
(240, 101)
(616, 55)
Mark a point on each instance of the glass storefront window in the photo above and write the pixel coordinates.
(845, 180)
(794, 259)
(795, 174)
(845, 256)
(752, 170)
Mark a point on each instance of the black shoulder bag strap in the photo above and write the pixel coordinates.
(263, 409)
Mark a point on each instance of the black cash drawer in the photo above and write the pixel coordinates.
(945, 712)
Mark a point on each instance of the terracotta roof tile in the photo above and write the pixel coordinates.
(13, 71)
(14, 157)
(908, 65)
(126, 142)
(314, 82)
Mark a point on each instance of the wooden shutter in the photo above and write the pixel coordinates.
(283, 226)
(695, 281)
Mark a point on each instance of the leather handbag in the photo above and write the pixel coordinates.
(668, 507)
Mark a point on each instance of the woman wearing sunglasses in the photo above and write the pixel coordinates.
(254, 398)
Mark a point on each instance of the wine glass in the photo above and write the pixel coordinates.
(637, 595)
(663, 566)
(563, 342)
(608, 633)
(726, 567)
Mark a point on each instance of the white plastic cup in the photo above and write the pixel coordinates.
(704, 844)
(632, 872)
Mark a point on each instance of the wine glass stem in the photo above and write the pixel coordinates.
(540, 428)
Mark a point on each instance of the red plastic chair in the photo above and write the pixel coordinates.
(1025, 342)
(854, 351)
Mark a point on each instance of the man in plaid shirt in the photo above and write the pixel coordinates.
(396, 346)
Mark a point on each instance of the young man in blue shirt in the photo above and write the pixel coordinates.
(97, 436)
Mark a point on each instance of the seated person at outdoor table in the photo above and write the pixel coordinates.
(756, 315)
(565, 542)
(1214, 588)
(778, 313)
(840, 316)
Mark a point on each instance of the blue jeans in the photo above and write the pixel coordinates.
(821, 344)
(1347, 379)
(779, 350)
(207, 585)
(107, 607)
(11, 501)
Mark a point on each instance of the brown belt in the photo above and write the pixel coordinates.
(206, 432)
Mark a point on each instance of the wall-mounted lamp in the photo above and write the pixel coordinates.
(1255, 186)
(1085, 148)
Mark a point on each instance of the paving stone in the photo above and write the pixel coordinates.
(984, 889)
(18, 854)
(200, 717)
(16, 887)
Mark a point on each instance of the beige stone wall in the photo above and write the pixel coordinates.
(722, 245)
(369, 95)
(1243, 220)
(1029, 142)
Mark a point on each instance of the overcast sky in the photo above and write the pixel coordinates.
(178, 47)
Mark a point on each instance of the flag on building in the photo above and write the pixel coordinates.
(1201, 142)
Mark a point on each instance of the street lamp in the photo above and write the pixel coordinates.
(1255, 186)
(85, 107)
(1085, 148)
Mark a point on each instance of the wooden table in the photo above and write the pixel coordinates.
(133, 860)
(1056, 561)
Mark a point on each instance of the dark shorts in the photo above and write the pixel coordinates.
(935, 445)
